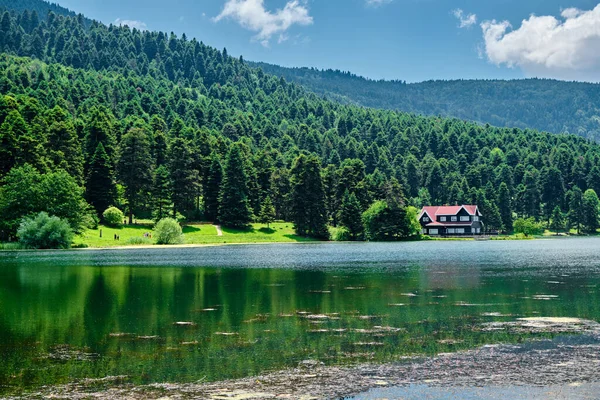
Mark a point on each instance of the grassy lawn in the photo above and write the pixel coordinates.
(193, 234)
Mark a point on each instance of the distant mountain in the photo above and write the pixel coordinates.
(544, 104)
(41, 7)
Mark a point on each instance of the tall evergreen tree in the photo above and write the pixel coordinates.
(557, 220)
(100, 187)
(134, 168)
(351, 215)
(184, 177)
(575, 215)
(234, 205)
(161, 193)
(309, 212)
(267, 212)
(212, 189)
(505, 207)
(591, 211)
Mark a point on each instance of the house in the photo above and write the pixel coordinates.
(451, 220)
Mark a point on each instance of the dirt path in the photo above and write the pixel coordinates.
(567, 361)
(219, 231)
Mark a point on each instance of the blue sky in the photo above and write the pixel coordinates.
(412, 40)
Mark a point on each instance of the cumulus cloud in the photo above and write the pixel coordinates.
(131, 23)
(377, 3)
(546, 46)
(464, 20)
(252, 15)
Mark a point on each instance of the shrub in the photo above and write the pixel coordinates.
(528, 227)
(45, 232)
(341, 234)
(138, 240)
(168, 231)
(113, 217)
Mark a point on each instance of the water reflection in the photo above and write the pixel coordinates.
(61, 321)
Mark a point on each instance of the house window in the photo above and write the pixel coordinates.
(464, 219)
(453, 219)
(460, 231)
(443, 219)
(451, 231)
(425, 219)
(475, 218)
(433, 232)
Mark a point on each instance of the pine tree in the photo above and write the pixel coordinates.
(161, 193)
(267, 212)
(101, 191)
(531, 196)
(350, 215)
(308, 208)
(575, 215)
(184, 177)
(505, 207)
(213, 188)
(591, 211)
(557, 220)
(234, 205)
(135, 168)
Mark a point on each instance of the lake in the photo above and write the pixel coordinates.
(214, 313)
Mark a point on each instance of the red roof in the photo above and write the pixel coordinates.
(434, 211)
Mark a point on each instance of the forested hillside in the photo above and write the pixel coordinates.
(544, 104)
(40, 7)
(164, 125)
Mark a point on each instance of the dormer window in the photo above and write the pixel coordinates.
(475, 218)
(425, 219)
(442, 219)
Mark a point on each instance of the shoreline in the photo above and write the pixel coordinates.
(216, 244)
(565, 361)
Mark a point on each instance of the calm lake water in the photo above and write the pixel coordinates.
(243, 310)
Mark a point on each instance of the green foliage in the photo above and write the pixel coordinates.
(161, 193)
(112, 216)
(309, 212)
(557, 220)
(45, 232)
(234, 205)
(135, 168)
(528, 227)
(114, 99)
(350, 216)
(213, 188)
(518, 103)
(168, 231)
(590, 211)
(28, 192)
(138, 240)
(383, 222)
(101, 190)
(267, 212)
(341, 234)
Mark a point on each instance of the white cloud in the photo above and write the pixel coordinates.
(545, 46)
(252, 15)
(465, 20)
(131, 23)
(377, 3)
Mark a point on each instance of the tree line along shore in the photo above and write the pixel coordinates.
(162, 126)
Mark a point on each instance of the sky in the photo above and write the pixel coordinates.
(411, 40)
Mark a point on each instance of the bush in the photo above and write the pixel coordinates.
(45, 232)
(168, 231)
(138, 240)
(341, 234)
(113, 217)
(528, 227)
